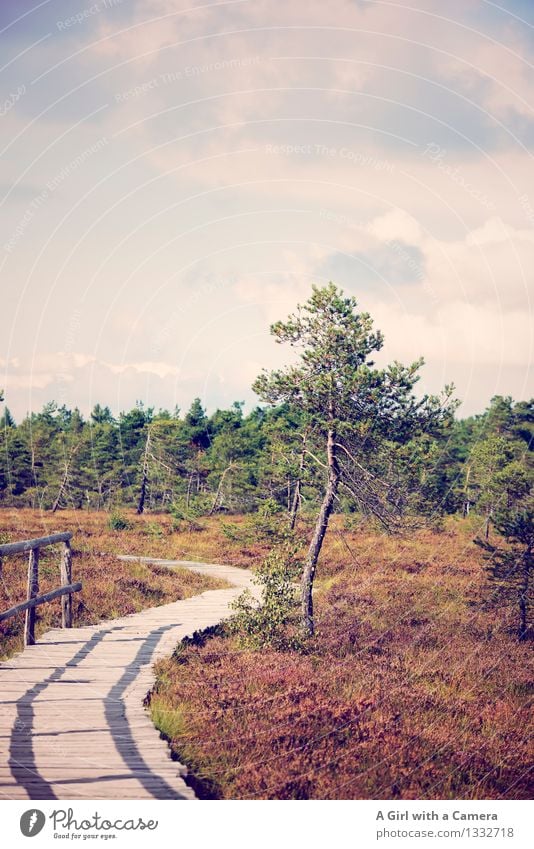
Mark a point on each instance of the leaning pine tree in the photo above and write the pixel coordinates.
(351, 405)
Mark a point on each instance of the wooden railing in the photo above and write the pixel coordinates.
(65, 591)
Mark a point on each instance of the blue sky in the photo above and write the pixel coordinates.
(174, 176)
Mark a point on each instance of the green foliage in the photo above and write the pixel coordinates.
(336, 382)
(6, 419)
(229, 462)
(487, 460)
(196, 423)
(500, 450)
(154, 529)
(369, 412)
(269, 524)
(186, 513)
(273, 622)
(511, 560)
(232, 532)
(118, 522)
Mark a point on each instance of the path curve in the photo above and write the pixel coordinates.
(72, 721)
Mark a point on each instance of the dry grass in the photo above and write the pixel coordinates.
(412, 688)
(111, 587)
(152, 535)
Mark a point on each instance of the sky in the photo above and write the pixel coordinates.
(176, 174)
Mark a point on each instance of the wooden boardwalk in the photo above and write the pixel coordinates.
(72, 721)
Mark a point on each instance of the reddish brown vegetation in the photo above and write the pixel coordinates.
(412, 688)
(111, 587)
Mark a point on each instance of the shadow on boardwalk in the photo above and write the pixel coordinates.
(72, 720)
(26, 773)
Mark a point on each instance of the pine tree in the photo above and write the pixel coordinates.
(346, 399)
(511, 564)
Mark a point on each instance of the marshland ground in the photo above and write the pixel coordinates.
(415, 685)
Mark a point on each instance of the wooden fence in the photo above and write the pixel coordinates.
(65, 591)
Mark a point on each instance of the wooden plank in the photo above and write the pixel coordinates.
(31, 544)
(66, 580)
(40, 599)
(33, 592)
(72, 720)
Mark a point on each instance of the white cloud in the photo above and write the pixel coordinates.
(159, 369)
(397, 224)
(33, 380)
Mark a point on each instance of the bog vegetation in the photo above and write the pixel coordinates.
(415, 685)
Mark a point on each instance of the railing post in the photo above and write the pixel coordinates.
(66, 578)
(33, 592)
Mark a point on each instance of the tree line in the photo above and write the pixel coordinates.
(232, 462)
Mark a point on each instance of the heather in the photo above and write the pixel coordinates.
(415, 685)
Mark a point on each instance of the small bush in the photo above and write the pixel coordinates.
(198, 639)
(268, 525)
(118, 522)
(274, 622)
(232, 532)
(154, 529)
(172, 724)
(185, 516)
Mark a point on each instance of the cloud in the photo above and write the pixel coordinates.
(33, 380)
(158, 369)
(58, 368)
(396, 225)
(384, 267)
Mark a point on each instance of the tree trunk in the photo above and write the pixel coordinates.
(144, 478)
(65, 481)
(62, 487)
(321, 526)
(215, 503)
(467, 495)
(142, 495)
(297, 497)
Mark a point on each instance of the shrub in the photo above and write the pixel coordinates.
(232, 532)
(187, 515)
(268, 525)
(154, 529)
(118, 522)
(274, 621)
